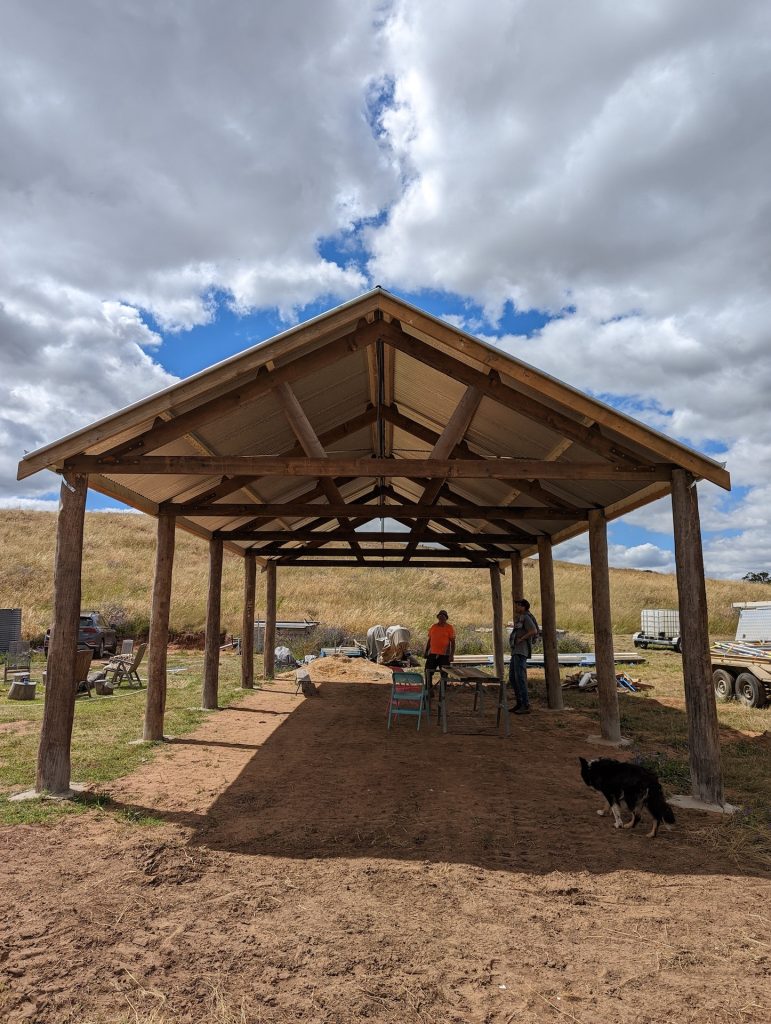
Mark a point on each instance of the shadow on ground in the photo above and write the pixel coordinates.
(329, 780)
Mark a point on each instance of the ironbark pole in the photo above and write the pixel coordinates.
(497, 596)
(211, 665)
(53, 759)
(155, 708)
(551, 663)
(701, 709)
(517, 582)
(269, 646)
(247, 628)
(605, 665)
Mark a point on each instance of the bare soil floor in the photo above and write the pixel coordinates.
(310, 865)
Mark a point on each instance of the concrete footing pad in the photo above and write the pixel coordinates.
(32, 794)
(600, 741)
(694, 804)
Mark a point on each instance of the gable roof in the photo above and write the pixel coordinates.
(375, 379)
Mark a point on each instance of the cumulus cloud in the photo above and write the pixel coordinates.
(603, 162)
(613, 177)
(601, 155)
(638, 556)
(68, 359)
(156, 158)
(157, 153)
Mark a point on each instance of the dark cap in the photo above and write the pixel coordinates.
(442, 612)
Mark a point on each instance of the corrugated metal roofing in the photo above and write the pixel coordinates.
(523, 414)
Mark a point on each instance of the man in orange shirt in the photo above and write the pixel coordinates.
(440, 646)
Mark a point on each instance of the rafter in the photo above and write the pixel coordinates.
(453, 543)
(228, 485)
(341, 563)
(323, 467)
(343, 552)
(462, 451)
(300, 510)
(493, 387)
(301, 534)
(313, 448)
(248, 390)
(235, 510)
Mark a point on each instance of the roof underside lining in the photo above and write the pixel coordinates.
(376, 380)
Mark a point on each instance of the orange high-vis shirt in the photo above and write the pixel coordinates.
(440, 637)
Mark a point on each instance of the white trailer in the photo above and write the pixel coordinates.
(742, 668)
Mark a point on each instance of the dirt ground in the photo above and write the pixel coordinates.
(310, 865)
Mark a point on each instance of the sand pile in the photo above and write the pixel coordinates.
(351, 670)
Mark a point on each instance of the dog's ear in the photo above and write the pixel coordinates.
(584, 762)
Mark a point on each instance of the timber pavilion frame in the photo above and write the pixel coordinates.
(285, 453)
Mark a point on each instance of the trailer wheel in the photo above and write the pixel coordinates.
(724, 685)
(750, 691)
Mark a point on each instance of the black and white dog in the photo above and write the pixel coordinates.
(636, 786)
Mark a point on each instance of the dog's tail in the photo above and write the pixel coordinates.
(657, 804)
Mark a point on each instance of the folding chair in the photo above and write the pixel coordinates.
(126, 667)
(83, 659)
(83, 685)
(408, 696)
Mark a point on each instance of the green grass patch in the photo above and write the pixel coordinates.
(102, 734)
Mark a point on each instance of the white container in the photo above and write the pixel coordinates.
(660, 622)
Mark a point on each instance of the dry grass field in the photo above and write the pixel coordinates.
(118, 569)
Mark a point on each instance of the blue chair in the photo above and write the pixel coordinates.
(408, 696)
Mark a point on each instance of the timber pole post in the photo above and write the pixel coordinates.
(551, 665)
(211, 664)
(158, 641)
(269, 645)
(53, 759)
(701, 709)
(497, 596)
(517, 582)
(610, 724)
(247, 627)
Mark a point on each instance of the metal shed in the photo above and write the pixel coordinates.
(288, 628)
(289, 452)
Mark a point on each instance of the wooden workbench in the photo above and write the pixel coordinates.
(471, 674)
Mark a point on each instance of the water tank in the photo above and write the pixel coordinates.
(10, 627)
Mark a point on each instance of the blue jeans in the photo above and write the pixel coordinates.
(518, 678)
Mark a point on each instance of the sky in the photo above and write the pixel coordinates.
(587, 186)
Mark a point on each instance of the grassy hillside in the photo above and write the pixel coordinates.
(118, 570)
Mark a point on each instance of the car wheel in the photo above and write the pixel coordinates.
(677, 646)
(750, 691)
(724, 685)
